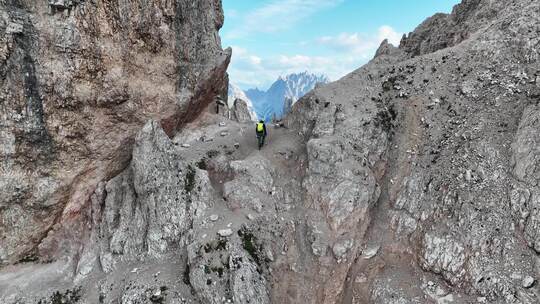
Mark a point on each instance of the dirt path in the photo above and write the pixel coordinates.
(212, 135)
(281, 144)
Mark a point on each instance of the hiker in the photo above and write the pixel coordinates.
(261, 133)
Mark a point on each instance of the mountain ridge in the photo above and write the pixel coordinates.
(272, 103)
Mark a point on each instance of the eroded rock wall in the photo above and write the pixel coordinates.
(457, 103)
(79, 79)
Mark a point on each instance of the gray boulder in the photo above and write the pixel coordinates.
(221, 271)
(241, 111)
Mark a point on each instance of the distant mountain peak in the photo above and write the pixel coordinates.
(283, 93)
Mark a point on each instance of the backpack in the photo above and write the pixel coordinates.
(260, 127)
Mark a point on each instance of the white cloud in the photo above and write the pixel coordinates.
(231, 13)
(360, 43)
(279, 15)
(387, 32)
(242, 56)
(299, 63)
(248, 72)
(245, 68)
(238, 51)
(348, 42)
(349, 52)
(295, 61)
(255, 60)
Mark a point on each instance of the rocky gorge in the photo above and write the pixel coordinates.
(411, 180)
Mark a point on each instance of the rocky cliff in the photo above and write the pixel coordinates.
(411, 180)
(439, 135)
(79, 79)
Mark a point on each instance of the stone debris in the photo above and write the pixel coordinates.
(528, 282)
(14, 28)
(340, 249)
(370, 251)
(225, 232)
(361, 278)
(214, 217)
(207, 139)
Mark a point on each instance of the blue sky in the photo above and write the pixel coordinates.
(332, 37)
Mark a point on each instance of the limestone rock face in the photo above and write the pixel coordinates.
(432, 146)
(524, 199)
(222, 271)
(78, 80)
(147, 210)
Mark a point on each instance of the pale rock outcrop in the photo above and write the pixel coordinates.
(222, 271)
(443, 255)
(147, 210)
(241, 111)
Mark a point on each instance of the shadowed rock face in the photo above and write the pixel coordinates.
(78, 80)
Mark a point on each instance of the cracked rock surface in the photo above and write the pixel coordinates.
(79, 79)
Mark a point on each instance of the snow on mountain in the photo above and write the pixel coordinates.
(277, 101)
(297, 85)
(236, 92)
